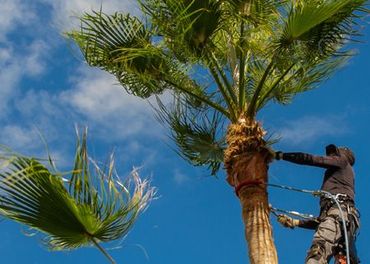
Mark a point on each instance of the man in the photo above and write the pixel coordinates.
(338, 180)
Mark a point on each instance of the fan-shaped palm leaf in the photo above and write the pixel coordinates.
(97, 208)
(121, 44)
(321, 26)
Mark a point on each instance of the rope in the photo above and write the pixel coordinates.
(294, 213)
(314, 193)
(319, 193)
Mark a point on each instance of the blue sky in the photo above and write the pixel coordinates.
(45, 86)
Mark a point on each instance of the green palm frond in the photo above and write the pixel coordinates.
(313, 35)
(121, 44)
(298, 79)
(96, 208)
(322, 27)
(186, 25)
(196, 134)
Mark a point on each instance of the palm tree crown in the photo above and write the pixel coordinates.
(220, 59)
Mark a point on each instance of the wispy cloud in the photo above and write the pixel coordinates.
(180, 178)
(13, 13)
(10, 73)
(309, 129)
(65, 13)
(15, 65)
(19, 137)
(27, 139)
(19, 58)
(90, 97)
(34, 62)
(96, 96)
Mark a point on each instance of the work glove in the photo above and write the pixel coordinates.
(279, 155)
(287, 221)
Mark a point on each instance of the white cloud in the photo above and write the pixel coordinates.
(65, 13)
(45, 111)
(34, 63)
(19, 137)
(27, 139)
(10, 73)
(96, 96)
(5, 55)
(180, 178)
(92, 99)
(15, 65)
(18, 58)
(13, 13)
(309, 129)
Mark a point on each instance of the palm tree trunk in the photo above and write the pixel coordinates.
(255, 211)
(246, 162)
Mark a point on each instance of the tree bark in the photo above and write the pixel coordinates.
(255, 211)
(246, 162)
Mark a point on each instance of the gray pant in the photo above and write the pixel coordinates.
(326, 237)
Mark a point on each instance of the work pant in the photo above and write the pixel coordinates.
(326, 237)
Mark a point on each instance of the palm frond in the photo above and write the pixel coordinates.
(122, 45)
(321, 27)
(195, 133)
(314, 33)
(298, 79)
(96, 208)
(189, 24)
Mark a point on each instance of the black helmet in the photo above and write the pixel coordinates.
(348, 154)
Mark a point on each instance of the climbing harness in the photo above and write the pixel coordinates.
(337, 198)
(324, 194)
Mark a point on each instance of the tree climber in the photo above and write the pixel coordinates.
(339, 181)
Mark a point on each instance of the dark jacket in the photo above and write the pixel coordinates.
(338, 177)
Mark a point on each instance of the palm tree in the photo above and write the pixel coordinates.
(223, 61)
(92, 208)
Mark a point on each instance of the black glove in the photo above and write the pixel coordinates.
(279, 155)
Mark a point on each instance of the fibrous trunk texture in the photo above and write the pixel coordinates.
(246, 163)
